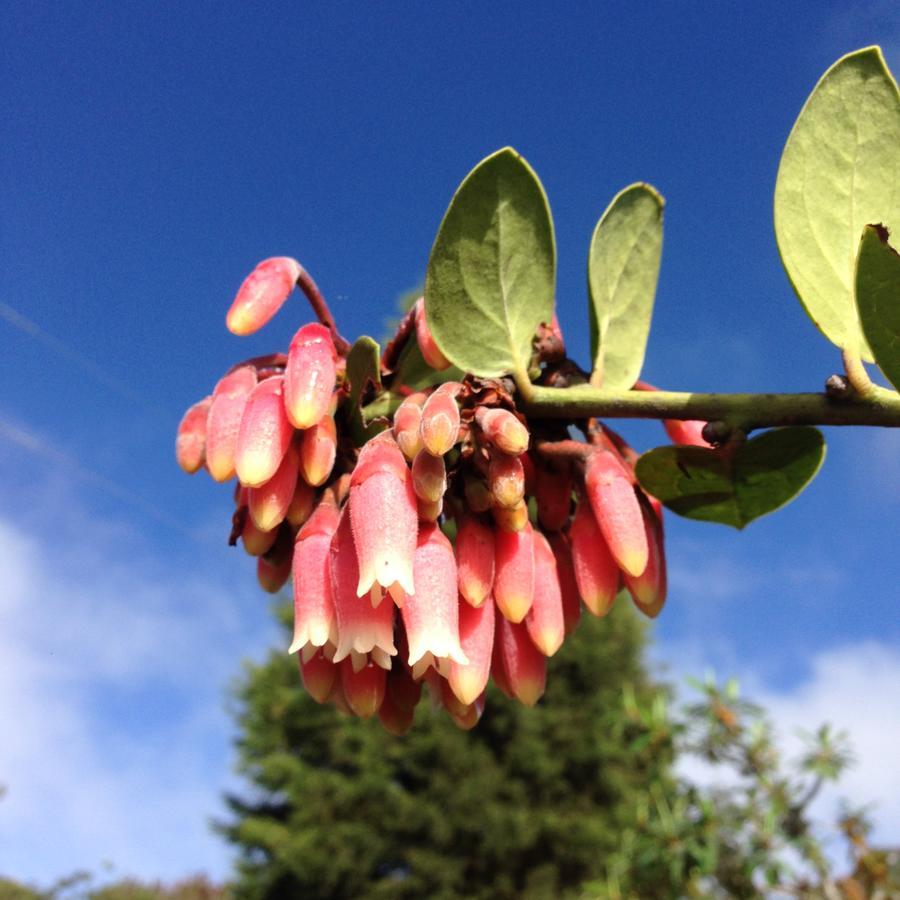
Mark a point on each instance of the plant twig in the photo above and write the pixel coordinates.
(320, 308)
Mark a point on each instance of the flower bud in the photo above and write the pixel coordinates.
(302, 503)
(403, 690)
(310, 375)
(439, 428)
(224, 420)
(429, 510)
(465, 716)
(257, 542)
(431, 353)
(265, 434)
(553, 494)
(474, 560)
(506, 478)
(384, 517)
(568, 586)
(314, 616)
(394, 720)
(429, 476)
(319, 675)
(596, 571)
(269, 503)
(361, 628)
(617, 511)
(514, 572)
(503, 430)
(513, 519)
(689, 432)
(190, 441)
(478, 495)
(648, 590)
(476, 637)
(407, 421)
(545, 623)
(274, 568)
(431, 614)
(318, 448)
(363, 690)
(262, 294)
(524, 667)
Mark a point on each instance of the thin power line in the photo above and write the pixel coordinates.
(85, 363)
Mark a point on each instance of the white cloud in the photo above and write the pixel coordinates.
(113, 676)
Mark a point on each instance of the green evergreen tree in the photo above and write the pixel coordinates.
(531, 803)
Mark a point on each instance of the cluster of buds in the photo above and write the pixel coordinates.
(455, 545)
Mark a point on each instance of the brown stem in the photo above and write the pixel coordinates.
(563, 449)
(320, 308)
(395, 345)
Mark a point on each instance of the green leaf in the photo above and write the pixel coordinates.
(838, 172)
(878, 299)
(759, 477)
(623, 268)
(491, 274)
(363, 367)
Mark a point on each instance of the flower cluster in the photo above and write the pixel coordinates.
(455, 544)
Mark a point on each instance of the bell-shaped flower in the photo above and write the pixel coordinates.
(314, 616)
(431, 614)
(384, 517)
(545, 622)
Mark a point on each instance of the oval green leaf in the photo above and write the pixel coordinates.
(838, 172)
(623, 268)
(878, 299)
(761, 476)
(492, 270)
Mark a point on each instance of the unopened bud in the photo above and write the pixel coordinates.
(475, 560)
(257, 542)
(465, 716)
(514, 572)
(507, 480)
(318, 448)
(523, 665)
(403, 689)
(394, 720)
(384, 516)
(553, 495)
(190, 441)
(568, 586)
(431, 353)
(545, 622)
(476, 637)
(265, 433)
(429, 476)
(302, 504)
(407, 421)
(439, 428)
(648, 590)
(274, 568)
(269, 503)
(478, 495)
(688, 432)
(502, 429)
(429, 510)
(319, 675)
(431, 614)
(596, 572)
(224, 420)
(363, 690)
(262, 294)
(310, 375)
(617, 511)
(513, 519)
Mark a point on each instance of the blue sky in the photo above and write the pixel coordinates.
(154, 153)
